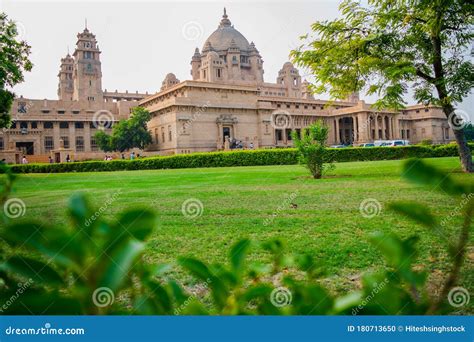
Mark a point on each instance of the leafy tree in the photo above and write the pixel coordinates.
(127, 134)
(389, 46)
(13, 62)
(312, 147)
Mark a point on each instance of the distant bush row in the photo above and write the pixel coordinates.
(287, 156)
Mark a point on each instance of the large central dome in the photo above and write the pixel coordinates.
(226, 36)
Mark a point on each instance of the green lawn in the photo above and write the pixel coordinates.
(237, 201)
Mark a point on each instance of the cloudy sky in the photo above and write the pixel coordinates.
(142, 41)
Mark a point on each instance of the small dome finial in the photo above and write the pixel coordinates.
(225, 22)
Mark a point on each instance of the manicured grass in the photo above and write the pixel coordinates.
(237, 201)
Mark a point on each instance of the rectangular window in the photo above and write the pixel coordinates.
(170, 135)
(1, 144)
(48, 144)
(61, 112)
(65, 141)
(446, 133)
(48, 125)
(79, 144)
(279, 135)
(162, 134)
(94, 146)
(34, 124)
(218, 72)
(288, 134)
(63, 125)
(23, 125)
(79, 125)
(408, 134)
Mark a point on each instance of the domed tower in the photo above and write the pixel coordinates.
(290, 77)
(66, 83)
(87, 68)
(169, 81)
(237, 61)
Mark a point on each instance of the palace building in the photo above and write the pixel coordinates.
(66, 126)
(226, 100)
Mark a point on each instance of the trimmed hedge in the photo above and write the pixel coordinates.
(287, 156)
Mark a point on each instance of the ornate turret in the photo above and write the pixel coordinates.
(87, 68)
(290, 77)
(66, 82)
(237, 61)
(169, 81)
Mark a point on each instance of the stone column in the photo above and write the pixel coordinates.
(87, 136)
(56, 134)
(396, 127)
(337, 135)
(376, 137)
(355, 127)
(72, 136)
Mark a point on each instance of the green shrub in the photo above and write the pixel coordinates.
(312, 148)
(287, 156)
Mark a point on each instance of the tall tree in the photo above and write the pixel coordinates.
(13, 63)
(389, 46)
(127, 134)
